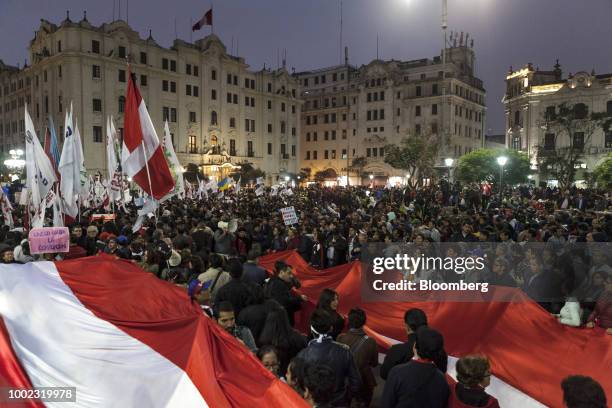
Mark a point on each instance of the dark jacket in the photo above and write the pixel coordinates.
(280, 291)
(237, 293)
(289, 348)
(338, 357)
(458, 237)
(416, 384)
(253, 317)
(398, 354)
(365, 354)
(464, 397)
(254, 273)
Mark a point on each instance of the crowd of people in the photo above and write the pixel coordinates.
(211, 246)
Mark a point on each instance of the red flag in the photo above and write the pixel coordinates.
(141, 147)
(204, 21)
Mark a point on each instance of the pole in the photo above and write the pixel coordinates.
(444, 27)
(501, 181)
(341, 50)
(144, 147)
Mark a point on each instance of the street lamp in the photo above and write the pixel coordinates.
(287, 178)
(15, 162)
(501, 160)
(371, 177)
(449, 163)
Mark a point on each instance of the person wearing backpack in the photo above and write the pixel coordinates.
(365, 355)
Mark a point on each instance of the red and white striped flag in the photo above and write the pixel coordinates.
(141, 147)
(207, 19)
(122, 338)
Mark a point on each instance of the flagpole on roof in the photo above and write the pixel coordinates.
(212, 19)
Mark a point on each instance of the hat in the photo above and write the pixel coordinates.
(122, 240)
(195, 287)
(222, 224)
(175, 259)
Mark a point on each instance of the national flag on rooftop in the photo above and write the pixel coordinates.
(123, 338)
(207, 19)
(142, 157)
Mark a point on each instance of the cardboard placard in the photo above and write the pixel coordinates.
(49, 240)
(289, 215)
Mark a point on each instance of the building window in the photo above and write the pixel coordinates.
(143, 80)
(193, 146)
(232, 123)
(269, 128)
(192, 117)
(46, 104)
(308, 155)
(165, 85)
(59, 73)
(121, 75)
(250, 151)
(97, 105)
(282, 106)
(188, 90)
(121, 51)
(213, 118)
(283, 127)
(269, 148)
(368, 152)
(173, 115)
(213, 75)
(315, 136)
(434, 89)
(326, 154)
(121, 104)
(269, 104)
(143, 58)
(95, 46)
(236, 80)
(608, 140)
(434, 109)
(292, 108)
(434, 128)
(247, 125)
(549, 141)
(578, 142)
(95, 71)
(97, 134)
(173, 65)
(326, 135)
(232, 149)
(418, 91)
(172, 86)
(417, 129)
(165, 113)
(417, 111)
(188, 69)
(293, 131)
(609, 108)
(314, 155)
(213, 94)
(269, 87)
(196, 70)
(196, 91)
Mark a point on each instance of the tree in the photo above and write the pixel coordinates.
(323, 175)
(305, 173)
(192, 172)
(358, 164)
(416, 155)
(481, 165)
(602, 174)
(568, 131)
(248, 174)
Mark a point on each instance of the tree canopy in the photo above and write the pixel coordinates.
(481, 165)
(602, 174)
(416, 155)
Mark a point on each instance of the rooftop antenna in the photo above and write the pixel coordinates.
(376, 45)
(341, 31)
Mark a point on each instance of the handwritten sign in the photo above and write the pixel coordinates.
(49, 240)
(289, 215)
(103, 217)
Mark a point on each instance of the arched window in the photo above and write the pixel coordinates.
(121, 104)
(213, 118)
(232, 123)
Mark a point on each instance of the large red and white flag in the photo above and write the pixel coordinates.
(142, 157)
(122, 338)
(207, 19)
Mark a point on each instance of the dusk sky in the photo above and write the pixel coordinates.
(506, 32)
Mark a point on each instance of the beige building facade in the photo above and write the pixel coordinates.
(532, 94)
(352, 112)
(221, 113)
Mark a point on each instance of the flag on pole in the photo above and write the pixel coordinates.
(173, 164)
(237, 185)
(224, 184)
(114, 172)
(51, 145)
(70, 168)
(40, 174)
(7, 209)
(142, 157)
(206, 20)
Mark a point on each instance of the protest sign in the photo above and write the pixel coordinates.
(49, 240)
(289, 215)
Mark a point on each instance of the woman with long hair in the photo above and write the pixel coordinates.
(328, 301)
(278, 332)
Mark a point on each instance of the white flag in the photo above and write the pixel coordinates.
(69, 169)
(114, 175)
(40, 173)
(173, 165)
(58, 219)
(7, 210)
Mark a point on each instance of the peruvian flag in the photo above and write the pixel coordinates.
(122, 338)
(207, 19)
(142, 157)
